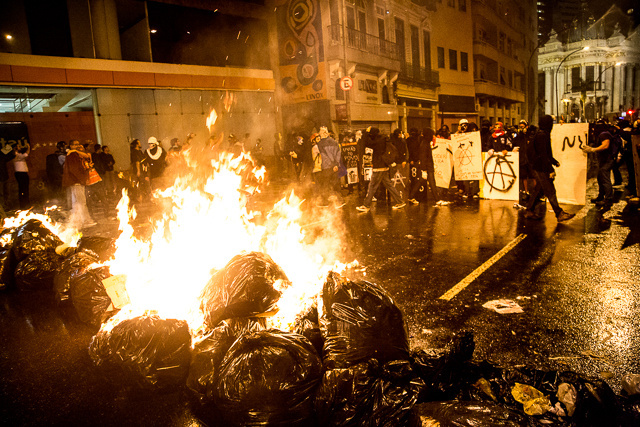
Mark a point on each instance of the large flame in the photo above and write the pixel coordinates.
(205, 224)
(211, 120)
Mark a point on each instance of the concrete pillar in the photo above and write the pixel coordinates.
(403, 124)
(548, 91)
(106, 34)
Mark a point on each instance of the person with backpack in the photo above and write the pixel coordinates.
(604, 147)
(384, 157)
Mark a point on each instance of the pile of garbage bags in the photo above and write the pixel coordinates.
(347, 361)
(31, 261)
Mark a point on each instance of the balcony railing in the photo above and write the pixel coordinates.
(365, 42)
(419, 74)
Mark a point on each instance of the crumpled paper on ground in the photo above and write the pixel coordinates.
(503, 306)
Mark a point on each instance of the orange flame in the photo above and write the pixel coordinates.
(211, 120)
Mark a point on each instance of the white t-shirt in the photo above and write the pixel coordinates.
(20, 162)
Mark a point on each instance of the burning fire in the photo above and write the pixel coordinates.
(206, 225)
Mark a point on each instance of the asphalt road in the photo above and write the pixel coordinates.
(577, 284)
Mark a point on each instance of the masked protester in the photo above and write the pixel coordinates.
(542, 162)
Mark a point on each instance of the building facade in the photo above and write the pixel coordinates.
(504, 57)
(595, 74)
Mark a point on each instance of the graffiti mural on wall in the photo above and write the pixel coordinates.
(302, 72)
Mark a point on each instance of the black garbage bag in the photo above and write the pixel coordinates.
(207, 354)
(243, 288)
(442, 369)
(102, 248)
(306, 324)
(268, 378)
(33, 236)
(472, 414)
(368, 394)
(89, 296)
(74, 265)
(359, 321)
(146, 351)
(36, 271)
(7, 267)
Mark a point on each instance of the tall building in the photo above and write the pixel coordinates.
(350, 64)
(454, 59)
(594, 74)
(504, 58)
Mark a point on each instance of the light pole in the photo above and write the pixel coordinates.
(595, 90)
(556, 76)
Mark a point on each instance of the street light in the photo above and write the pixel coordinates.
(556, 76)
(595, 91)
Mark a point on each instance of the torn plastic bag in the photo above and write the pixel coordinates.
(245, 287)
(472, 414)
(102, 248)
(7, 267)
(268, 378)
(35, 272)
(359, 321)
(208, 353)
(33, 236)
(368, 394)
(442, 369)
(73, 265)
(89, 297)
(306, 324)
(146, 351)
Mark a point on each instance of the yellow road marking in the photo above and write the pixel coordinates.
(478, 271)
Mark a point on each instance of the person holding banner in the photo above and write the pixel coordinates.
(541, 159)
(605, 156)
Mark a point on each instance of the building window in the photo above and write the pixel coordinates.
(464, 61)
(589, 78)
(510, 74)
(381, 32)
(503, 80)
(451, 3)
(501, 38)
(385, 95)
(440, 57)
(575, 79)
(339, 91)
(453, 59)
(426, 39)
(462, 5)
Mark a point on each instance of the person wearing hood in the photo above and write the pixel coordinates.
(422, 162)
(330, 154)
(623, 128)
(300, 158)
(500, 140)
(377, 142)
(156, 159)
(541, 159)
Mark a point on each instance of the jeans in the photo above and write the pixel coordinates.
(605, 188)
(378, 177)
(23, 189)
(544, 185)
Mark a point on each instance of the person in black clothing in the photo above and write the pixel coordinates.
(109, 175)
(54, 168)
(542, 162)
(423, 164)
(402, 166)
(603, 148)
(380, 174)
(6, 155)
(298, 157)
(413, 147)
(138, 169)
(521, 141)
(485, 135)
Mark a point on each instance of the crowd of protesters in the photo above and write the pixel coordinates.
(398, 167)
(407, 174)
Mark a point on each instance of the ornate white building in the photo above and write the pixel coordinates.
(594, 73)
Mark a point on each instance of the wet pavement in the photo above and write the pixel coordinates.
(577, 283)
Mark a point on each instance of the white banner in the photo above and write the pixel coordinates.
(501, 176)
(467, 156)
(442, 162)
(567, 141)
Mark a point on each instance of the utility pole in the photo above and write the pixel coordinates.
(346, 67)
